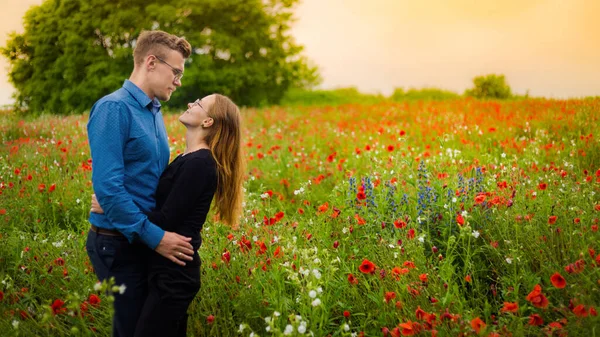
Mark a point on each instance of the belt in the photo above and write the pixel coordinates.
(108, 232)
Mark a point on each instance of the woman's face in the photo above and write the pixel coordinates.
(197, 112)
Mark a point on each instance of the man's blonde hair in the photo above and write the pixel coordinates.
(157, 42)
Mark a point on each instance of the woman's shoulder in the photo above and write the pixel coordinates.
(201, 159)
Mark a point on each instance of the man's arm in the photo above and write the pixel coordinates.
(108, 131)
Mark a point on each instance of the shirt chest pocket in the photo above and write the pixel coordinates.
(141, 146)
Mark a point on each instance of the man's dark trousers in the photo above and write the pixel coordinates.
(113, 256)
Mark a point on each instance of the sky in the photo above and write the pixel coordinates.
(549, 47)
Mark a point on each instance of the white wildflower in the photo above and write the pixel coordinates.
(288, 330)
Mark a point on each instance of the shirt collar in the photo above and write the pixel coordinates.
(141, 97)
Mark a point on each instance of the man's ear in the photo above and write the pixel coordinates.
(150, 62)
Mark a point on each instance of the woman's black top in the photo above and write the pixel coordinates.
(183, 197)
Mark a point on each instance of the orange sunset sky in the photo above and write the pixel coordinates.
(551, 47)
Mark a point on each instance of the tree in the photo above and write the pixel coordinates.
(490, 86)
(75, 51)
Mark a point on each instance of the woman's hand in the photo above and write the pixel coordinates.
(96, 206)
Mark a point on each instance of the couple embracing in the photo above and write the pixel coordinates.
(147, 213)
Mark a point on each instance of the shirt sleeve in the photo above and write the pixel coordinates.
(108, 131)
(194, 176)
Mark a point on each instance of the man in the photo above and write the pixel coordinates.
(130, 150)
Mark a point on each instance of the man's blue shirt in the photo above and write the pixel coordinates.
(130, 150)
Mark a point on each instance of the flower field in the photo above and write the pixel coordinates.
(454, 218)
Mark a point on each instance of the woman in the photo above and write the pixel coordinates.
(212, 165)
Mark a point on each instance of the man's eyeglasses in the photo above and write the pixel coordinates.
(178, 73)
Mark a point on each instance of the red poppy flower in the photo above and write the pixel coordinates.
(346, 313)
(477, 324)
(480, 198)
(420, 313)
(542, 186)
(537, 298)
(552, 219)
(94, 300)
(535, 320)
(399, 224)
(390, 295)
(1, 295)
(555, 325)
(226, 256)
(408, 328)
(57, 307)
(558, 281)
(352, 279)
(210, 319)
(83, 307)
(460, 219)
(323, 208)
(510, 307)
(367, 267)
(580, 311)
(336, 212)
(411, 234)
(409, 264)
(360, 220)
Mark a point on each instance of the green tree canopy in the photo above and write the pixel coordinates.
(75, 51)
(490, 86)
